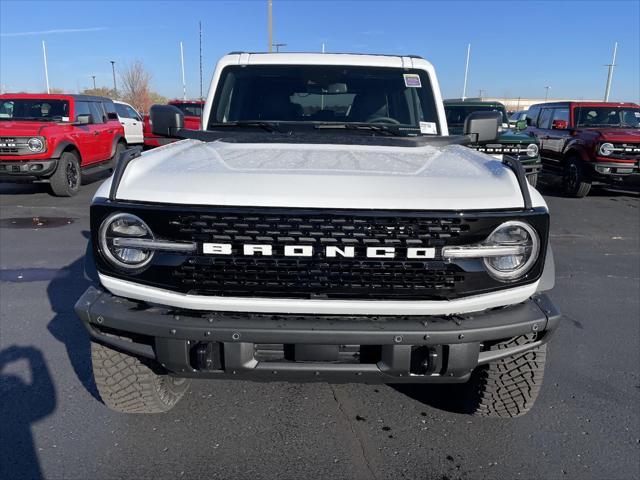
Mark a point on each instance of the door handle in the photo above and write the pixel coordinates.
(121, 123)
(96, 133)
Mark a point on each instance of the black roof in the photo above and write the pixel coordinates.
(89, 98)
(240, 52)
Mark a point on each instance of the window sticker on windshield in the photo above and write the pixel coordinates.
(412, 80)
(637, 114)
(428, 127)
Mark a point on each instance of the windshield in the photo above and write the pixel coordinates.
(517, 116)
(400, 99)
(611, 117)
(189, 109)
(34, 109)
(457, 113)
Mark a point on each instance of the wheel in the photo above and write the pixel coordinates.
(574, 182)
(532, 178)
(127, 384)
(65, 181)
(508, 387)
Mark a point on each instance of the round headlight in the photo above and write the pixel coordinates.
(35, 144)
(120, 226)
(532, 150)
(513, 234)
(606, 149)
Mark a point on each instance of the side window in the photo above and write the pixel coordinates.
(82, 108)
(6, 109)
(109, 107)
(132, 113)
(532, 116)
(545, 118)
(561, 114)
(97, 111)
(122, 111)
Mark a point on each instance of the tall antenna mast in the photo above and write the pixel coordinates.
(200, 29)
(607, 89)
(270, 20)
(46, 69)
(466, 72)
(184, 85)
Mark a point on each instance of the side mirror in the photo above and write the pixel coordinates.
(112, 116)
(521, 124)
(84, 119)
(559, 125)
(483, 125)
(166, 120)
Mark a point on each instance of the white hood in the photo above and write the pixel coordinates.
(192, 172)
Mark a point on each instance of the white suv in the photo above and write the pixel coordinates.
(321, 226)
(131, 121)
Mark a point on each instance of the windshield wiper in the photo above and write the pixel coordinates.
(361, 126)
(268, 126)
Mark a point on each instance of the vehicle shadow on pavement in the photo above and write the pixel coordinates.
(551, 187)
(22, 188)
(22, 403)
(63, 292)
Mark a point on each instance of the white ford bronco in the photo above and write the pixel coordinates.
(321, 226)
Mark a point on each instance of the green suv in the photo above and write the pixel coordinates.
(515, 143)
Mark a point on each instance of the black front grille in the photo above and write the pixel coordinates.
(626, 151)
(317, 276)
(13, 145)
(326, 229)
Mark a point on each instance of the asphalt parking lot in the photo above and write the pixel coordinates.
(586, 423)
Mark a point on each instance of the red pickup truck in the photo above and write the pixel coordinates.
(192, 110)
(588, 142)
(57, 139)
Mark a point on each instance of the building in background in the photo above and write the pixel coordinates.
(519, 103)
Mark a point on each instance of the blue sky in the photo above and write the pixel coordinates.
(517, 47)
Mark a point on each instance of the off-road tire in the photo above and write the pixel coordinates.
(532, 178)
(574, 182)
(127, 384)
(508, 387)
(65, 181)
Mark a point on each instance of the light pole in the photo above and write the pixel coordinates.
(184, 85)
(278, 45)
(480, 92)
(607, 89)
(270, 24)
(46, 69)
(466, 71)
(94, 81)
(546, 93)
(113, 70)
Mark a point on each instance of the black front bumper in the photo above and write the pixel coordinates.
(336, 348)
(27, 170)
(615, 173)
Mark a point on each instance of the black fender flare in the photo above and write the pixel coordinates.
(116, 139)
(548, 278)
(64, 145)
(576, 149)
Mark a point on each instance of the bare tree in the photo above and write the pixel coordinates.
(135, 82)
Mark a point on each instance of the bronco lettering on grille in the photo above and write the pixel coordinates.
(308, 251)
